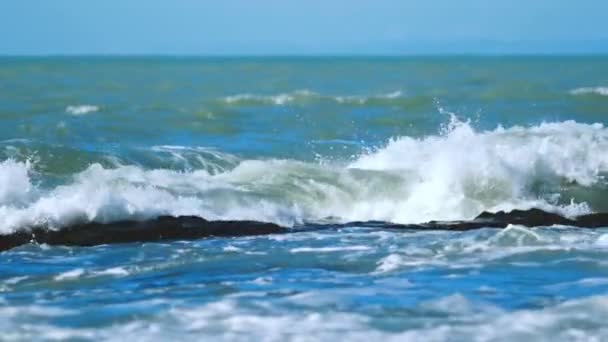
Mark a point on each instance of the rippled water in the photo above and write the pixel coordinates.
(353, 283)
(297, 141)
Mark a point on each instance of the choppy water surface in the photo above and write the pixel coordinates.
(296, 141)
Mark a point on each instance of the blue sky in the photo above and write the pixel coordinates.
(279, 27)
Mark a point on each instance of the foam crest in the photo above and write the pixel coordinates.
(473, 249)
(465, 172)
(449, 318)
(81, 109)
(602, 91)
(130, 192)
(451, 176)
(279, 99)
(365, 99)
(306, 96)
(15, 185)
(195, 158)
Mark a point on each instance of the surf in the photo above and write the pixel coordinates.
(454, 175)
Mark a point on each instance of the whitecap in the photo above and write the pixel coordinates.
(602, 91)
(81, 109)
(70, 275)
(15, 280)
(278, 99)
(231, 248)
(329, 249)
(282, 99)
(114, 271)
(15, 184)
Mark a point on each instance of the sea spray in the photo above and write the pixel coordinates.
(454, 175)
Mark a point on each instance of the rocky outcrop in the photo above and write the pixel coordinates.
(159, 229)
(191, 227)
(501, 219)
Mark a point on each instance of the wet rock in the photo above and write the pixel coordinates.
(167, 228)
(159, 229)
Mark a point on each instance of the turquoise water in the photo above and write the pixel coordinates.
(297, 141)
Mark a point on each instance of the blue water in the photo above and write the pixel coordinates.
(296, 141)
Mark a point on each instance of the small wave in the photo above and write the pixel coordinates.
(70, 275)
(81, 109)
(453, 317)
(195, 158)
(602, 91)
(365, 99)
(307, 95)
(279, 99)
(329, 249)
(114, 271)
(15, 280)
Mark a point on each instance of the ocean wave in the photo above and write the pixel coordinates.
(602, 91)
(299, 96)
(15, 185)
(81, 109)
(278, 100)
(364, 99)
(451, 176)
(472, 249)
(451, 317)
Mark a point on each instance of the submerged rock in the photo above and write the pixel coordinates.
(166, 228)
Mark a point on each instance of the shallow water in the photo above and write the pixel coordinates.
(355, 283)
(296, 141)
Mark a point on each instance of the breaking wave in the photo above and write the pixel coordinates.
(453, 175)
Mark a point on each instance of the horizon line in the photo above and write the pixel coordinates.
(312, 55)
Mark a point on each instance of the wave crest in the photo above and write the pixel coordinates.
(602, 91)
(302, 96)
(451, 176)
(81, 109)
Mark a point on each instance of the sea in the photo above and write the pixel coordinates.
(300, 141)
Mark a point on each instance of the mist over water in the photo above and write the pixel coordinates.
(300, 141)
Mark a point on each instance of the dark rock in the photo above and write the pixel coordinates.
(530, 218)
(166, 228)
(592, 220)
(159, 229)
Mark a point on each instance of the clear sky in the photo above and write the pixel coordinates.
(254, 27)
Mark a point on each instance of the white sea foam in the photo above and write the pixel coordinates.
(15, 186)
(81, 109)
(307, 95)
(231, 248)
(15, 280)
(602, 91)
(227, 320)
(70, 275)
(279, 99)
(465, 172)
(455, 175)
(465, 252)
(602, 241)
(390, 263)
(365, 99)
(329, 249)
(114, 271)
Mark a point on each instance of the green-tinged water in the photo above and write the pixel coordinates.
(297, 141)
